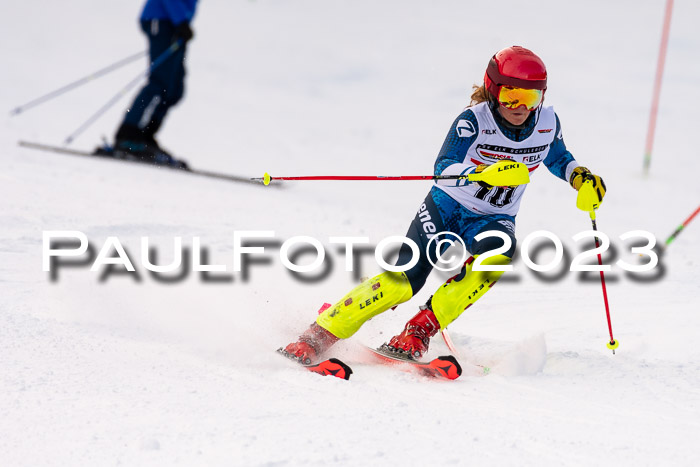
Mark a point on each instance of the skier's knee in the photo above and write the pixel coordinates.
(417, 275)
(491, 243)
(462, 291)
(496, 260)
(175, 95)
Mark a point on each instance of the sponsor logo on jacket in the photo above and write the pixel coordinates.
(493, 155)
(465, 129)
(531, 159)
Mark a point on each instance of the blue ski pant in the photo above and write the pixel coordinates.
(166, 83)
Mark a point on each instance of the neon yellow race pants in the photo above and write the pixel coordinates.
(389, 289)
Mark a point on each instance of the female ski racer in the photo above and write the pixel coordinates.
(505, 120)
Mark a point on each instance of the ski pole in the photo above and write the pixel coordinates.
(503, 173)
(588, 201)
(70, 86)
(156, 63)
(675, 233)
(613, 344)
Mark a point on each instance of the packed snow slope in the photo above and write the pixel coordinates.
(106, 368)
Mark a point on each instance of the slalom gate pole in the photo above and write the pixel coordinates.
(657, 86)
(448, 342)
(680, 228)
(612, 344)
(68, 87)
(156, 63)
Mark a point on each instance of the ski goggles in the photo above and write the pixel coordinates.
(512, 98)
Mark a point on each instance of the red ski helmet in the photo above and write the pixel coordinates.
(515, 67)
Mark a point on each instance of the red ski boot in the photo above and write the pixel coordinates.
(415, 338)
(312, 343)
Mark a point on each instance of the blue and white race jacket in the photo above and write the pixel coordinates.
(476, 138)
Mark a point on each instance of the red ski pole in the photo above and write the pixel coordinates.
(612, 344)
(502, 173)
(588, 201)
(268, 178)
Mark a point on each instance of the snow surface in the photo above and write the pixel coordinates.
(140, 372)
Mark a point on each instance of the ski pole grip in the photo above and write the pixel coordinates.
(587, 199)
(503, 173)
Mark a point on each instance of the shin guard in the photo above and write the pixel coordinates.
(365, 301)
(460, 292)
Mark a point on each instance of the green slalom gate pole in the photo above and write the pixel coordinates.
(680, 228)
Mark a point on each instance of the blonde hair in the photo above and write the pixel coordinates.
(479, 95)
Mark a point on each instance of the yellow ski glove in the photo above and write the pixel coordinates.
(580, 175)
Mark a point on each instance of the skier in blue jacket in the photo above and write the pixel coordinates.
(165, 22)
(505, 121)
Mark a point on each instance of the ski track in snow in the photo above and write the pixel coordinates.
(128, 370)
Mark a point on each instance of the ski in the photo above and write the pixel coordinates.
(446, 367)
(330, 367)
(77, 152)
